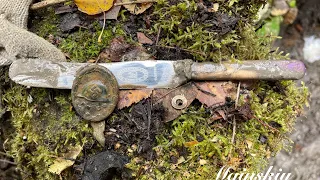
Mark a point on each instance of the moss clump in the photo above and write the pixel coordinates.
(80, 45)
(209, 31)
(83, 44)
(45, 127)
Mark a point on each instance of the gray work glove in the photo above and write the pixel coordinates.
(16, 43)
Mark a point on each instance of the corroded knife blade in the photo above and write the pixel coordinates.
(154, 74)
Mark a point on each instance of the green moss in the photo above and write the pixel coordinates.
(46, 23)
(211, 39)
(50, 126)
(83, 44)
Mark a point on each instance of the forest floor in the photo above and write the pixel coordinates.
(304, 160)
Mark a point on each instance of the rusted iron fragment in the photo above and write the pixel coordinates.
(94, 92)
(165, 96)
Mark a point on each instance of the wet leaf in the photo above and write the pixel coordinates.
(129, 97)
(93, 7)
(214, 93)
(143, 39)
(62, 163)
(136, 8)
(117, 48)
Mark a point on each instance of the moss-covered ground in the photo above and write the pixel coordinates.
(190, 148)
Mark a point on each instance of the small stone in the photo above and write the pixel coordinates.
(69, 22)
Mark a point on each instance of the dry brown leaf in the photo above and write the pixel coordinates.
(129, 97)
(63, 163)
(93, 7)
(234, 162)
(136, 8)
(143, 39)
(211, 93)
(120, 50)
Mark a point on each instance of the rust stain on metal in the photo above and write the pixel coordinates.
(94, 93)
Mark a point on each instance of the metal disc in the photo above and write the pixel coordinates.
(95, 92)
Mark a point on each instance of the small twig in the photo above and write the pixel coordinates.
(134, 2)
(233, 130)
(9, 162)
(186, 50)
(158, 36)
(266, 125)
(5, 154)
(46, 3)
(149, 109)
(238, 94)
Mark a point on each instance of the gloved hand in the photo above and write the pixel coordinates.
(16, 43)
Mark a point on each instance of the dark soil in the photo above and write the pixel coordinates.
(136, 129)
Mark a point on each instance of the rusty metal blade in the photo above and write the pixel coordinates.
(130, 75)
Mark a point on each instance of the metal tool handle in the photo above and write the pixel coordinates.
(255, 70)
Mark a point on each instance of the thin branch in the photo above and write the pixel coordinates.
(181, 49)
(238, 94)
(5, 154)
(9, 162)
(134, 2)
(46, 3)
(158, 36)
(266, 125)
(233, 130)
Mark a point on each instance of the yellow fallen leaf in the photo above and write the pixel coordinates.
(136, 8)
(93, 7)
(62, 163)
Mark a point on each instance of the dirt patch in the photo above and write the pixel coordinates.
(136, 129)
